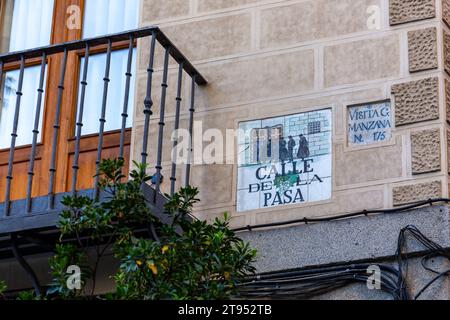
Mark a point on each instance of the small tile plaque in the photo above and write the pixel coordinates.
(369, 123)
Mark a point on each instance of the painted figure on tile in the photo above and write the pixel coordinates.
(291, 146)
(303, 150)
(284, 153)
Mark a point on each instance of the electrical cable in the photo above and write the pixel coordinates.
(414, 205)
(445, 273)
(312, 282)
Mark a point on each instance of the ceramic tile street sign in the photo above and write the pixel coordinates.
(285, 160)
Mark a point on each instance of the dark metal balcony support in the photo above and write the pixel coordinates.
(191, 129)
(24, 264)
(9, 176)
(35, 132)
(79, 124)
(102, 120)
(126, 97)
(148, 102)
(56, 127)
(173, 177)
(162, 115)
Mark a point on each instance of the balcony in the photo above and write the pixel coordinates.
(29, 223)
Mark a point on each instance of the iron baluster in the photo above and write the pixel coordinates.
(79, 123)
(162, 114)
(173, 178)
(35, 132)
(102, 120)
(14, 136)
(148, 102)
(128, 75)
(191, 128)
(56, 127)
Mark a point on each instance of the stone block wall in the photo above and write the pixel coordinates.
(270, 58)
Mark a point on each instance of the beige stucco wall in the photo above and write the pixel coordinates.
(267, 58)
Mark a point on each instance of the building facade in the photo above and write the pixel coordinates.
(364, 81)
(372, 68)
(313, 109)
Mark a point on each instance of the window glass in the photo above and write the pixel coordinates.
(103, 17)
(27, 107)
(31, 24)
(116, 92)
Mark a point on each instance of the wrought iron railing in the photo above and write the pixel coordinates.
(156, 36)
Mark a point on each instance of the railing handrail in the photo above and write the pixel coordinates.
(164, 41)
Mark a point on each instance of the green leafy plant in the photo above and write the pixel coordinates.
(3, 288)
(189, 258)
(206, 262)
(29, 296)
(67, 255)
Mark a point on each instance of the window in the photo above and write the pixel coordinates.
(103, 17)
(265, 144)
(314, 127)
(116, 92)
(31, 24)
(27, 109)
(26, 24)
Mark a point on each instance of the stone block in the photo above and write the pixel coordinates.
(214, 183)
(447, 51)
(416, 101)
(417, 192)
(160, 9)
(362, 60)
(446, 11)
(426, 151)
(447, 99)
(257, 78)
(448, 151)
(368, 165)
(205, 39)
(213, 5)
(403, 11)
(313, 20)
(422, 48)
